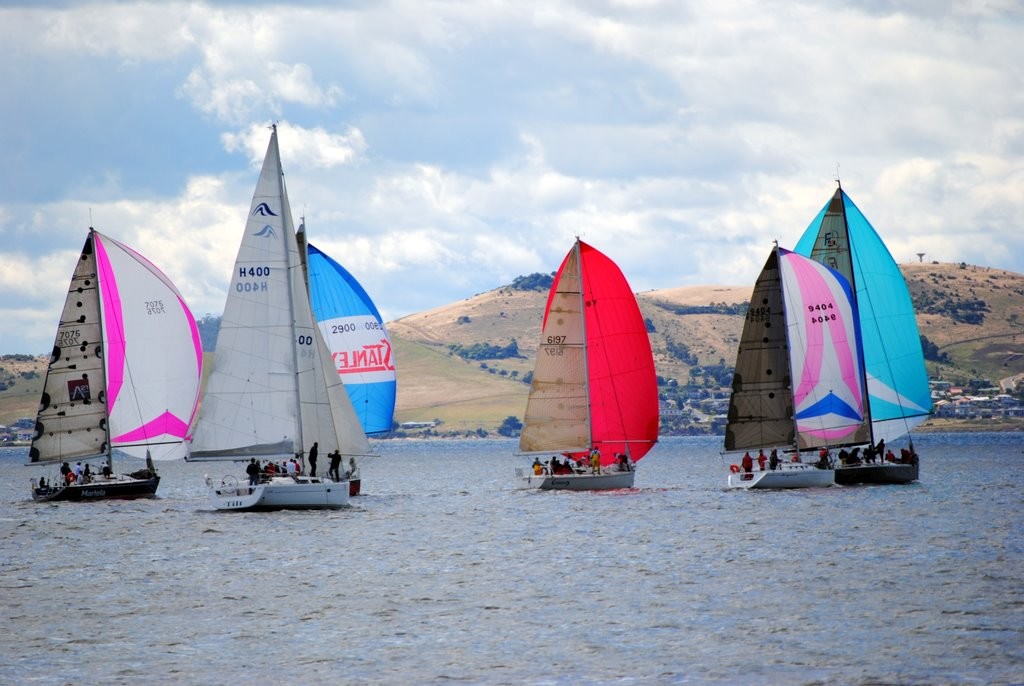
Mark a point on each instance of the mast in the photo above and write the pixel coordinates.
(852, 278)
(288, 224)
(300, 239)
(103, 342)
(586, 352)
(789, 366)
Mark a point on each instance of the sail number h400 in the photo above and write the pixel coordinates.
(252, 273)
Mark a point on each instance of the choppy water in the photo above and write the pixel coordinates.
(442, 573)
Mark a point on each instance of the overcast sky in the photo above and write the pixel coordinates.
(440, 149)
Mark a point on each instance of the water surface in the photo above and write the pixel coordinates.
(442, 573)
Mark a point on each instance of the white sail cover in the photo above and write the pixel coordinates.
(127, 357)
(267, 395)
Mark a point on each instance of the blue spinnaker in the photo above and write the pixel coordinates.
(841, 237)
(358, 341)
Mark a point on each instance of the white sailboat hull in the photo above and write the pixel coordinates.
(788, 475)
(574, 482)
(279, 493)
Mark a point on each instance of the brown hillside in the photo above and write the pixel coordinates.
(712, 338)
(24, 384)
(499, 315)
(949, 298)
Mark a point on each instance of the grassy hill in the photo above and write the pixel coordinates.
(973, 316)
(22, 379)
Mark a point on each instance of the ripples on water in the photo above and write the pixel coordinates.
(442, 573)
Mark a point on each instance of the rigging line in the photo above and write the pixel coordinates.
(95, 263)
(581, 276)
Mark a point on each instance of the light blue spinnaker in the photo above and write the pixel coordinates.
(357, 339)
(841, 237)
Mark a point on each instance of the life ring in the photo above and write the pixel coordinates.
(228, 485)
(734, 468)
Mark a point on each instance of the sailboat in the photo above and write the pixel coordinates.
(796, 387)
(593, 403)
(273, 393)
(358, 342)
(124, 375)
(895, 379)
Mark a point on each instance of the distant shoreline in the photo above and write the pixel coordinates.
(933, 426)
(971, 426)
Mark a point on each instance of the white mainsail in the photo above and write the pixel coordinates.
(268, 394)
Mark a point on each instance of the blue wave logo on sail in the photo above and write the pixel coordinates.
(266, 232)
(263, 209)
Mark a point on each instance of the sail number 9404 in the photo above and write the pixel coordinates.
(820, 313)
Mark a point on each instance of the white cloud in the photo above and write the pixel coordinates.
(440, 149)
(300, 148)
(130, 31)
